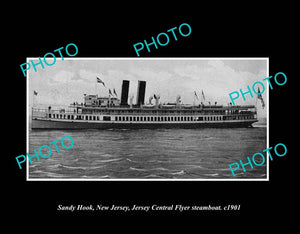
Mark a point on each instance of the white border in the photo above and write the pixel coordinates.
(149, 180)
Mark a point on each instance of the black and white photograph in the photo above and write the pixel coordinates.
(163, 113)
(147, 119)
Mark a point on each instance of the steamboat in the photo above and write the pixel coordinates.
(112, 113)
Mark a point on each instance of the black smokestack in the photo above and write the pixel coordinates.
(124, 94)
(141, 93)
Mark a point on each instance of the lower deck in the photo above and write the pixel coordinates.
(56, 120)
(140, 118)
(50, 124)
(42, 123)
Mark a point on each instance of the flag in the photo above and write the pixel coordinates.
(100, 81)
(35, 92)
(260, 98)
(109, 91)
(196, 95)
(115, 93)
(203, 95)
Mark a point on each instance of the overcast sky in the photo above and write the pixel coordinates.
(66, 81)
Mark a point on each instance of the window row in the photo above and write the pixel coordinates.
(236, 117)
(76, 117)
(148, 118)
(168, 118)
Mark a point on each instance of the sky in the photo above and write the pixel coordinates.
(68, 80)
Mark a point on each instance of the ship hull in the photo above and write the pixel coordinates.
(52, 124)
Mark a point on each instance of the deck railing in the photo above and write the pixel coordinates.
(44, 113)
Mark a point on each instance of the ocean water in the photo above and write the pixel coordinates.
(148, 154)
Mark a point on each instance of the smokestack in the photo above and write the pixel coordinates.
(140, 98)
(124, 94)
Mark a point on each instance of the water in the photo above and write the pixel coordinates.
(148, 154)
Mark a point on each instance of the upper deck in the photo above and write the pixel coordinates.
(160, 110)
(167, 110)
